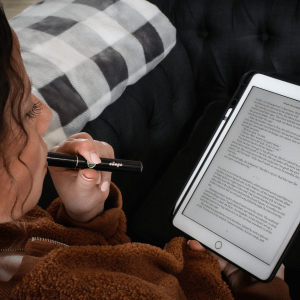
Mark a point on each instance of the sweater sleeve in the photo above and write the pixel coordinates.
(246, 289)
(200, 277)
(111, 223)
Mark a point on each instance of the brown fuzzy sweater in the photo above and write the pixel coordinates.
(95, 260)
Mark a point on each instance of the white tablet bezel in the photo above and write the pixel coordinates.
(229, 251)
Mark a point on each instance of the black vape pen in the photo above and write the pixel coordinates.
(56, 159)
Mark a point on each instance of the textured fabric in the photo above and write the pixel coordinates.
(153, 223)
(81, 55)
(246, 290)
(91, 266)
(226, 39)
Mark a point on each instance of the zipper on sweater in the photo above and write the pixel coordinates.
(48, 241)
(12, 250)
(35, 239)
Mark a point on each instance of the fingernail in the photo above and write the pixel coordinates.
(105, 186)
(87, 179)
(188, 242)
(104, 143)
(99, 179)
(95, 158)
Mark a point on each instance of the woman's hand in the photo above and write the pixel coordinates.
(234, 275)
(83, 192)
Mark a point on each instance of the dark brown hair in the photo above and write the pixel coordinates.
(11, 95)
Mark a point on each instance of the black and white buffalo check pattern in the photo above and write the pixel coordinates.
(81, 54)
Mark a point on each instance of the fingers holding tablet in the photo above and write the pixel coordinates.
(227, 268)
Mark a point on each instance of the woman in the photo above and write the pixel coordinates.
(78, 247)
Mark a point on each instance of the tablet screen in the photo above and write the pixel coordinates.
(250, 193)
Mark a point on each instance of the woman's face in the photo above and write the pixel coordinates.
(36, 117)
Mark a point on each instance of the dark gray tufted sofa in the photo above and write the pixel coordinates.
(166, 119)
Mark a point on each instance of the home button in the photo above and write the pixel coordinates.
(218, 245)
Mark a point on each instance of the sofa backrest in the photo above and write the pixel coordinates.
(225, 39)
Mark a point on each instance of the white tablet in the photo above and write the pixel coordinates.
(243, 198)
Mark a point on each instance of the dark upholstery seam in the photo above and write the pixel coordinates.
(189, 8)
(213, 52)
(190, 59)
(270, 57)
(152, 111)
(297, 4)
(136, 100)
(232, 13)
(100, 117)
(248, 13)
(194, 129)
(170, 83)
(270, 12)
(186, 48)
(251, 59)
(211, 7)
(217, 66)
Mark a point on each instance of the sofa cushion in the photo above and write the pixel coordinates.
(81, 54)
(152, 221)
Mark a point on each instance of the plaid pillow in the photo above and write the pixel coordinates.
(81, 54)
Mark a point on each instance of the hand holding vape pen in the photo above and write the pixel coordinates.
(63, 160)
